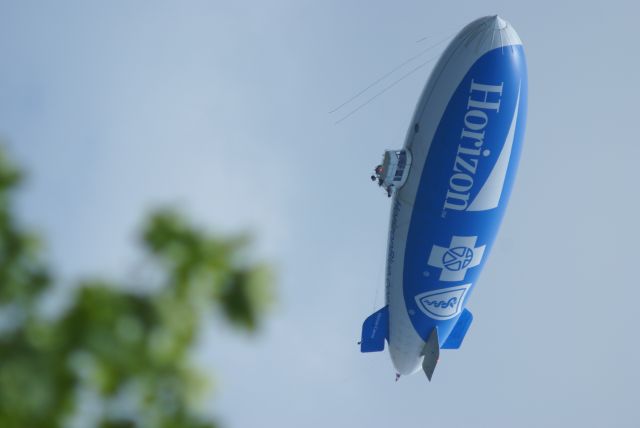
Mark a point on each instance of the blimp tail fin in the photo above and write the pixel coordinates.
(431, 352)
(459, 330)
(375, 330)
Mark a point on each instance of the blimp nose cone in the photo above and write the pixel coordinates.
(490, 32)
(486, 33)
(498, 23)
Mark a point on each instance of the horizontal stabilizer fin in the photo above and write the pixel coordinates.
(459, 330)
(431, 353)
(375, 330)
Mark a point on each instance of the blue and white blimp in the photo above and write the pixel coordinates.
(450, 186)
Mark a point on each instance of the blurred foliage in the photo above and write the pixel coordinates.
(131, 350)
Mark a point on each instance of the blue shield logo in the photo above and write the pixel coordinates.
(442, 304)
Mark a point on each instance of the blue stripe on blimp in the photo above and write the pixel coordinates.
(464, 188)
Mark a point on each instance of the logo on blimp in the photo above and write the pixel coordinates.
(457, 258)
(484, 98)
(442, 304)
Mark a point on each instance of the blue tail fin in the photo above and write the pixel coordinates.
(459, 330)
(375, 330)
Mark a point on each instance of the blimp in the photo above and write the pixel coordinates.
(449, 186)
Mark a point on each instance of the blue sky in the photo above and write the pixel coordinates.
(221, 109)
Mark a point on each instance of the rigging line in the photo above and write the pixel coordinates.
(390, 72)
(425, 38)
(385, 89)
(433, 35)
(422, 39)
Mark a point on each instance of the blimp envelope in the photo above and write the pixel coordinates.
(463, 143)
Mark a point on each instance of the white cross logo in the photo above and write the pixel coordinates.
(457, 258)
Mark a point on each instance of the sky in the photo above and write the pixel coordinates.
(221, 109)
